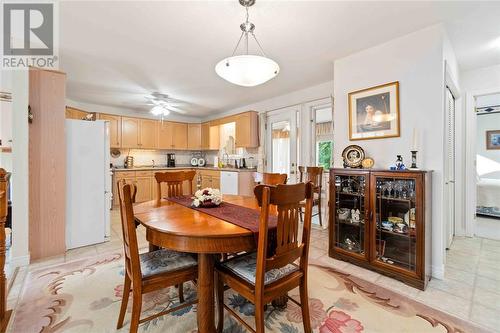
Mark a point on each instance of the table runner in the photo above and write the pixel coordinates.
(244, 217)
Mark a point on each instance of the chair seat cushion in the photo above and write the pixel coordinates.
(164, 260)
(245, 267)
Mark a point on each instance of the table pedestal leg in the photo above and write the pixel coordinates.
(206, 299)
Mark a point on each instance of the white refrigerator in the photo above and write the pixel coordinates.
(88, 183)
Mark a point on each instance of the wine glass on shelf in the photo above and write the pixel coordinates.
(390, 185)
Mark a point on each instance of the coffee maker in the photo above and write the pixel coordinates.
(171, 160)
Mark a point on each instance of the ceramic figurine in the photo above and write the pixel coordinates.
(355, 215)
(399, 163)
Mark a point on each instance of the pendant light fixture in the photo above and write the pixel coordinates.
(247, 70)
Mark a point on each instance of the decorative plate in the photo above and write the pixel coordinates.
(368, 163)
(353, 155)
(201, 162)
(194, 161)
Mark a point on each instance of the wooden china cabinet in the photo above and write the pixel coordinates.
(380, 220)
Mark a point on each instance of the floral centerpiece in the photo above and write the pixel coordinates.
(207, 197)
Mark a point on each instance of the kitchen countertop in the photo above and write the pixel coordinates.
(187, 166)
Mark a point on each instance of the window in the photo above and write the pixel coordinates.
(323, 136)
(324, 151)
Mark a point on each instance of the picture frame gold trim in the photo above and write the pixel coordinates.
(398, 120)
(489, 146)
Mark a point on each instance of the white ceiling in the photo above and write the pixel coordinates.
(115, 53)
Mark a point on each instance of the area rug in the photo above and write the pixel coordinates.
(84, 296)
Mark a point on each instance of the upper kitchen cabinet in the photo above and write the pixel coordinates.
(210, 135)
(205, 135)
(180, 136)
(165, 135)
(172, 135)
(194, 136)
(74, 113)
(130, 132)
(148, 134)
(247, 130)
(115, 129)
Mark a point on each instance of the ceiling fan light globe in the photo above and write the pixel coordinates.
(247, 70)
(157, 110)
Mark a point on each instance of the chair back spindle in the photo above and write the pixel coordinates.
(173, 181)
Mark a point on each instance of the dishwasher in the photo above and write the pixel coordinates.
(229, 182)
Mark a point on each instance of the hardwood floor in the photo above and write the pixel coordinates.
(470, 290)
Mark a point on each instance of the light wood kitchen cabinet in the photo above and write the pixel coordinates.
(74, 113)
(210, 178)
(165, 136)
(173, 135)
(115, 129)
(210, 135)
(214, 135)
(130, 132)
(148, 130)
(194, 136)
(205, 135)
(144, 188)
(247, 130)
(180, 136)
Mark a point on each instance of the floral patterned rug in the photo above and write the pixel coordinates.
(84, 296)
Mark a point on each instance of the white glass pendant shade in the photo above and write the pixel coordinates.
(247, 70)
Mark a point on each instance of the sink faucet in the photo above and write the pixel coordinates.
(153, 163)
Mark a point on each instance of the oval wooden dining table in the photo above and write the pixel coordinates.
(173, 226)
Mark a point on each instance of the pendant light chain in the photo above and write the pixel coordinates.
(247, 70)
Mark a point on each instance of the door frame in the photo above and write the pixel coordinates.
(470, 181)
(283, 114)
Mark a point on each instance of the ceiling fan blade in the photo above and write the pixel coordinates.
(174, 109)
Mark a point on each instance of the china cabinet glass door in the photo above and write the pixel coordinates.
(351, 221)
(395, 207)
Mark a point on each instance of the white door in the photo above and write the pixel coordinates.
(281, 142)
(449, 172)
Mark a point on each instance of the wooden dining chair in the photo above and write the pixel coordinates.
(274, 178)
(261, 279)
(189, 177)
(315, 176)
(173, 181)
(147, 272)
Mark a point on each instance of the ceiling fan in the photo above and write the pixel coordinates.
(162, 104)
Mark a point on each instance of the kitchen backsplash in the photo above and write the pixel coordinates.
(146, 157)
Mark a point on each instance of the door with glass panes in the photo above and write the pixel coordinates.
(350, 204)
(396, 222)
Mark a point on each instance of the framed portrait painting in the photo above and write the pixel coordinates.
(493, 139)
(374, 112)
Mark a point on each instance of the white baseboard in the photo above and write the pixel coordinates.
(438, 272)
(19, 261)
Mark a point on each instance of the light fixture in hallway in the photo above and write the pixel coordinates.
(247, 70)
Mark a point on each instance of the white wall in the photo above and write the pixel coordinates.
(20, 173)
(480, 79)
(488, 161)
(302, 96)
(417, 62)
